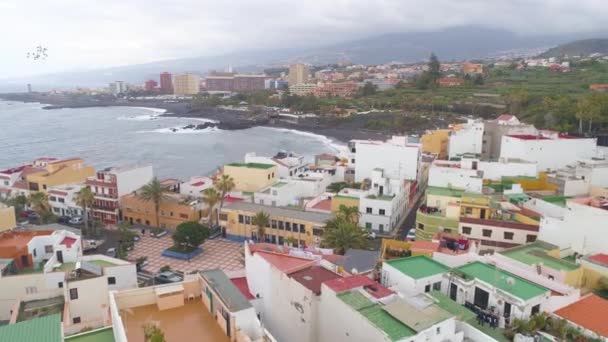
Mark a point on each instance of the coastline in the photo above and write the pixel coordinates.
(223, 119)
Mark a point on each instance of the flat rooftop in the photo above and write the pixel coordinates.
(439, 191)
(418, 267)
(536, 253)
(309, 216)
(520, 287)
(191, 322)
(99, 335)
(252, 165)
(312, 277)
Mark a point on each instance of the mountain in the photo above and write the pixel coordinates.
(583, 47)
(459, 43)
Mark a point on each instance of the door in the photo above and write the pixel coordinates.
(381, 190)
(25, 262)
(60, 256)
(481, 298)
(507, 310)
(483, 214)
(210, 297)
(453, 291)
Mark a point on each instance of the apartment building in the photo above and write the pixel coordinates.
(494, 130)
(62, 200)
(336, 89)
(288, 164)
(186, 84)
(399, 158)
(166, 83)
(195, 186)
(436, 143)
(46, 174)
(466, 138)
(383, 205)
(413, 275)
(305, 227)
(110, 184)
(440, 213)
(251, 177)
(293, 191)
(298, 74)
(302, 89)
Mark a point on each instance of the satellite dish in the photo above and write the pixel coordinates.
(510, 281)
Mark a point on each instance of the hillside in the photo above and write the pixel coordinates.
(583, 47)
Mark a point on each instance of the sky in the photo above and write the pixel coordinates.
(81, 34)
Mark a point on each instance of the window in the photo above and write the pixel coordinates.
(288, 226)
(352, 161)
(382, 212)
(34, 252)
(368, 225)
(530, 238)
(317, 232)
(421, 226)
(535, 310)
(73, 294)
(111, 280)
(61, 200)
(487, 232)
(52, 198)
(468, 210)
(508, 236)
(437, 286)
(381, 228)
(302, 228)
(427, 288)
(368, 210)
(466, 230)
(269, 176)
(31, 290)
(171, 213)
(247, 220)
(241, 219)
(76, 320)
(281, 225)
(223, 217)
(438, 330)
(56, 210)
(273, 224)
(60, 285)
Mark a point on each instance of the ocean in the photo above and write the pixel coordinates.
(124, 136)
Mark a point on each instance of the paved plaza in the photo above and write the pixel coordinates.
(217, 253)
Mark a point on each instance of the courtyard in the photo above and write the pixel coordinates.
(217, 253)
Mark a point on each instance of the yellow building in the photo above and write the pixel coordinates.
(298, 74)
(348, 201)
(251, 177)
(436, 142)
(59, 172)
(186, 84)
(7, 218)
(533, 184)
(307, 227)
(595, 267)
(175, 209)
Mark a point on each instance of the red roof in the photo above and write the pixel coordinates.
(600, 258)
(589, 312)
(285, 263)
(14, 170)
(241, 284)
(201, 183)
(323, 205)
(230, 199)
(355, 281)
(425, 245)
(527, 137)
(567, 136)
(505, 117)
(313, 276)
(68, 241)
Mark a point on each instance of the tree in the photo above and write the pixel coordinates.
(224, 185)
(152, 333)
(85, 199)
(18, 202)
(434, 68)
(517, 100)
(262, 220)
(368, 89)
(345, 236)
(478, 80)
(336, 187)
(154, 192)
(190, 235)
(127, 239)
(211, 197)
(349, 214)
(38, 201)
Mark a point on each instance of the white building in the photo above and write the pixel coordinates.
(549, 150)
(466, 138)
(288, 163)
(62, 200)
(446, 174)
(294, 190)
(195, 186)
(413, 275)
(578, 179)
(397, 157)
(383, 205)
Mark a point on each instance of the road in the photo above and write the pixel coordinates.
(410, 220)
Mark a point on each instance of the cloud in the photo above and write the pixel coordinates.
(91, 34)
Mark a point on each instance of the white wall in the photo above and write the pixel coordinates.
(455, 178)
(466, 140)
(396, 280)
(92, 303)
(36, 285)
(544, 208)
(548, 153)
(497, 170)
(133, 179)
(398, 160)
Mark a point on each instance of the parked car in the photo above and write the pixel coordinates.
(76, 220)
(411, 235)
(159, 233)
(167, 277)
(111, 252)
(25, 213)
(63, 219)
(90, 245)
(371, 235)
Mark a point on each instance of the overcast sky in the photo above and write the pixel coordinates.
(86, 34)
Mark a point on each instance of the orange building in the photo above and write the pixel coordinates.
(341, 89)
(472, 68)
(48, 172)
(175, 209)
(14, 246)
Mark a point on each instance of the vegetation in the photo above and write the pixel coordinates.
(18, 202)
(153, 333)
(154, 192)
(224, 186)
(428, 79)
(262, 220)
(85, 199)
(211, 197)
(551, 325)
(127, 240)
(189, 235)
(39, 203)
(342, 235)
(349, 214)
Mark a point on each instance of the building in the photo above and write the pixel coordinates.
(175, 209)
(251, 177)
(302, 89)
(229, 81)
(579, 178)
(110, 184)
(440, 213)
(413, 275)
(303, 226)
(398, 158)
(587, 316)
(246, 83)
(479, 285)
(595, 267)
(551, 151)
(466, 139)
(494, 130)
(382, 208)
(298, 74)
(166, 83)
(598, 87)
(150, 85)
(336, 89)
(294, 191)
(472, 68)
(7, 217)
(288, 164)
(450, 82)
(62, 200)
(195, 186)
(186, 84)
(436, 143)
(117, 87)
(57, 172)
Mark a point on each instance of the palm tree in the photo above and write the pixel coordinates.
(153, 333)
(211, 197)
(154, 192)
(334, 223)
(350, 214)
(38, 201)
(262, 220)
(224, 185)
(85, 199)
(345, 236)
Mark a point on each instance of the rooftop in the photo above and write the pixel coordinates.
(588, 312)
(313, 276)
(528, 137)
(308, 216)
(418, 313)
(285, 263)
(360, 259)
(252, 165)
(99, 335)
(356, 281)
(439, 191)
(230, 295)
(43, 329)
(535, 253)
(243, 286)
(418, 267)
(600, 258)
(500, 279)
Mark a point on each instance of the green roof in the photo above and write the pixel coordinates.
(557, 200)
(252, 165)
(536, 252)
(444, 302)
(418, 267)
(99, 335)
(43, 329)
(520, 288)
(102, 263)
(376, 315)
(439, 191)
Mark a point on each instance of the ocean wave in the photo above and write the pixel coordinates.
(339, 147)
(155, 115)
(181, 130)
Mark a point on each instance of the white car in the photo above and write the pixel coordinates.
(411, 235)
(76, 220)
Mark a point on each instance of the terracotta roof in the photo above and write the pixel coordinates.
(230, 199)
(285, 263)
(201, 183)
(68, 241)
(352, 282)
(425, 245)
(600, 258)
(313, 276)
(241, 284)
(323, 205)
(588, 312)
(505, 117)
